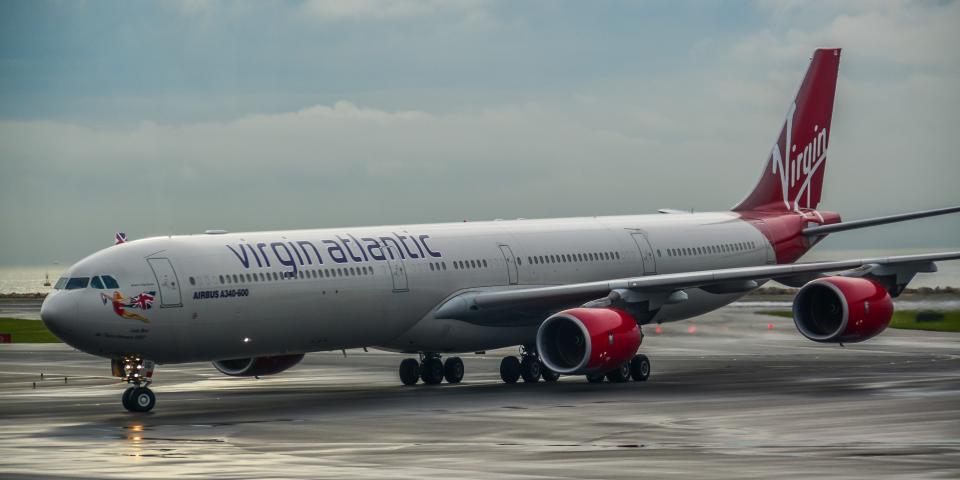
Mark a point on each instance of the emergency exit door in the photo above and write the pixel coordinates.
(646, 253)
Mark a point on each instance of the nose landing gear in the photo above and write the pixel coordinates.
(138, 372)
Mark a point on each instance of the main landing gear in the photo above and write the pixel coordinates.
(638, 369)
(528, 367)
(431, 369)
(137, 372)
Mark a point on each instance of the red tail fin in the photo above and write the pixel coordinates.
(793, 177)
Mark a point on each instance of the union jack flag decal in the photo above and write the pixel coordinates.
(143, 301)
(119, 238)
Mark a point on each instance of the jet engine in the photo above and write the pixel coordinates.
(842, 309)
(257, 366)
(588, 340)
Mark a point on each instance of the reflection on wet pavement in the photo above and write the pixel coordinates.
(734, 399)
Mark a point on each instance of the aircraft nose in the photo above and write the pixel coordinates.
(59, 314)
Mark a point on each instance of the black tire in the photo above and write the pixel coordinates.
(530, 369)
(142, 400)
(640, 368)
(619, 374)
(431, 371)
(453, 370)
(125, 399)
(595, 377)
(510, 369)
(548, 375)
(409, 371)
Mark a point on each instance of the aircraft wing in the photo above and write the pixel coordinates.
(668, 288)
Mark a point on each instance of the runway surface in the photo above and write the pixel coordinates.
(732, 400)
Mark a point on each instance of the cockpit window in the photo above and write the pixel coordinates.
(96, 283)
(76, 283)
(62, 282)
(109, 281)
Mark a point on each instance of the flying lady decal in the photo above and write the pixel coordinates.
(122, 306)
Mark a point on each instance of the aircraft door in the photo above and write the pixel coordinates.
(765, 229)
(398, 271)
(167, 280)
(646, 253)
(511, 262)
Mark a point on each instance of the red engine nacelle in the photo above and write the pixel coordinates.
(257, 366)
(588, 340)
(842, 309)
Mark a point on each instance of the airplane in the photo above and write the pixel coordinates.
(572, 293)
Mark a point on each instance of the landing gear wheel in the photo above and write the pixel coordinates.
(409, 371)
(453, 370)
(619, 374)
(125, 399)
(141, 399)
(530, 369)
(510, 369)
(432, 371)
(595, 377)
(548, 375)
(640, 367)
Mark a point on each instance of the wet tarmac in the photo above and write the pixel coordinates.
(737, 396)
(28, 308)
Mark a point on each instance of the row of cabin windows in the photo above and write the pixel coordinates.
(231, 278)
(573, 257)
(469, 264)
(710, 249)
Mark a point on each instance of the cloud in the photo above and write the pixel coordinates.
(547, 118)
(386, 9)
(888, 33)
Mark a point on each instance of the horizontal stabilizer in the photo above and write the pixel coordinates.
(870, 222)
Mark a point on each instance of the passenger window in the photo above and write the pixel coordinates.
(444, 265)
(221, 279)
(192, 281)
(431, 267)
(485, 262)
(96, 283)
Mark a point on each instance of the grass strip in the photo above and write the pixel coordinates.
(26, 331)
(930, 320)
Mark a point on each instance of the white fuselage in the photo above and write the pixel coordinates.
(220, 296)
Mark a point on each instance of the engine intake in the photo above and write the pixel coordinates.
(588, 340)
(257, 366)
(842, 309)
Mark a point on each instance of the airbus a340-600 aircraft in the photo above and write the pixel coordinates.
(574, 293)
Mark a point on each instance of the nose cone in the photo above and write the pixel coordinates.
(59, 314)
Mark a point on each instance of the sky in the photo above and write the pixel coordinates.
(175, 117)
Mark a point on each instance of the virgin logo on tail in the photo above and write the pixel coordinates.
(793, 180)
(797, 172)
